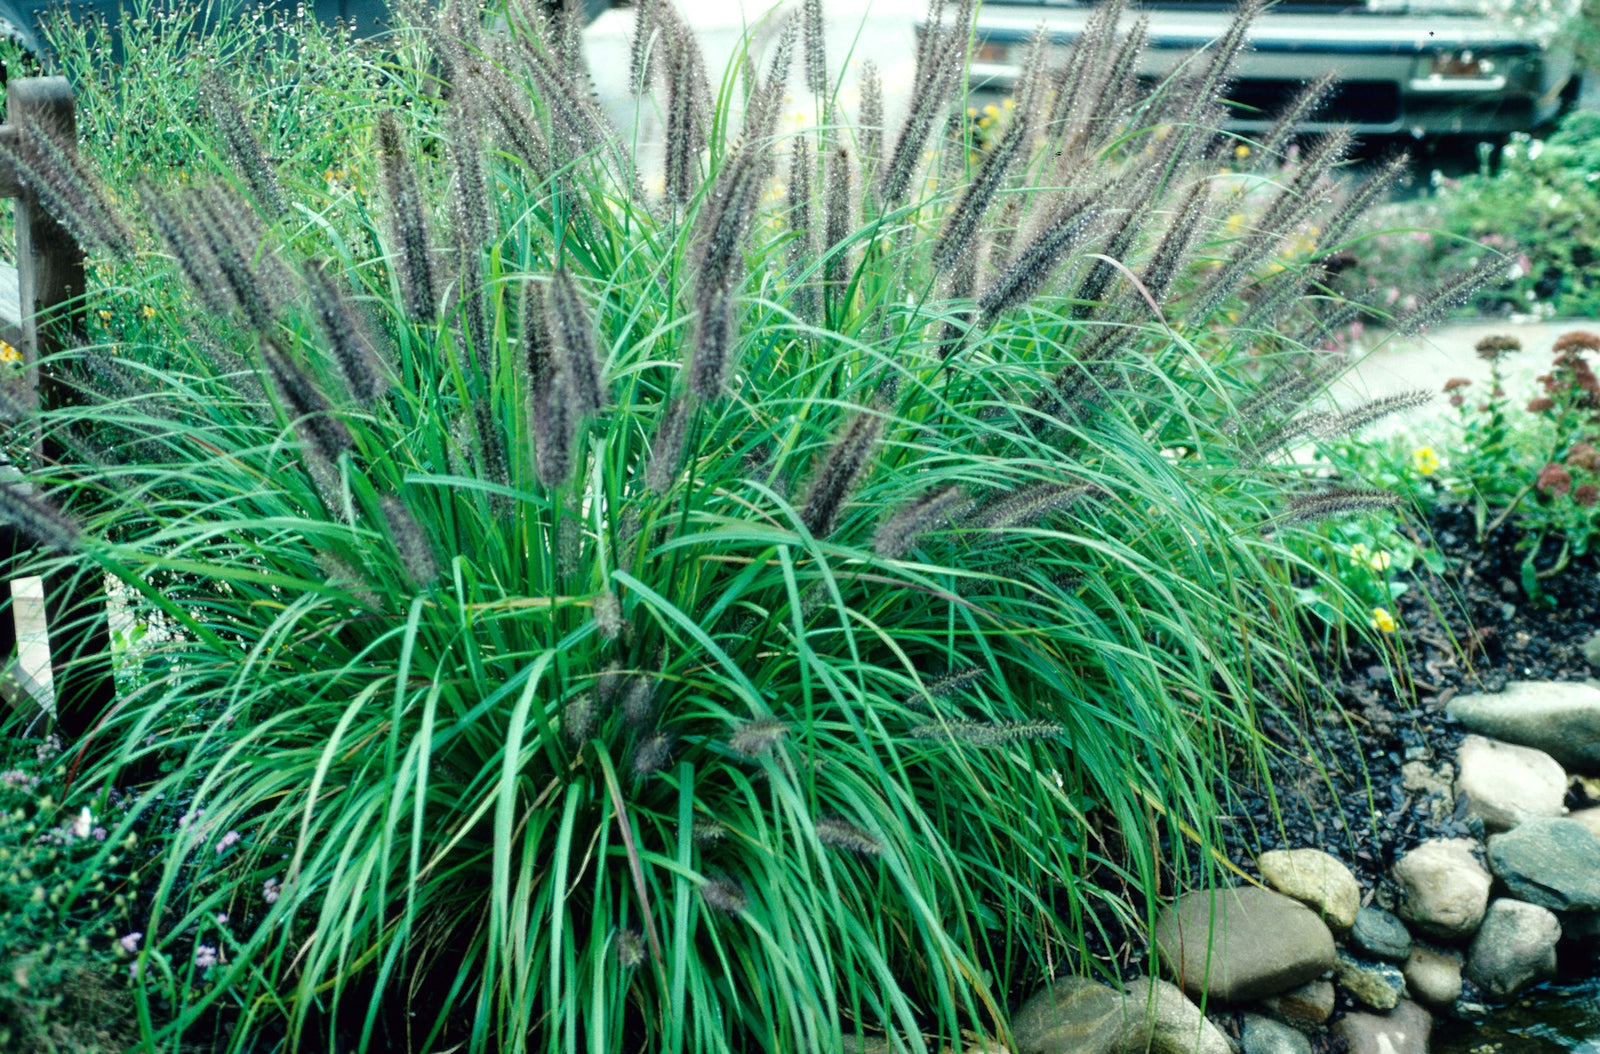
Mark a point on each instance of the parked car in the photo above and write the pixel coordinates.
(1426, 68)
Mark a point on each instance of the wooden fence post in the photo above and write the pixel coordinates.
(50, 278)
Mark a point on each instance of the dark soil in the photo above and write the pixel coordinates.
(1473, 629)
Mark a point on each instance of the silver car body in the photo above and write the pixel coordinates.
(1402, 68)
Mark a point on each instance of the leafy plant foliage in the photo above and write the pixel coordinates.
(712, 616)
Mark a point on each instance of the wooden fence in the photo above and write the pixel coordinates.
(50, 283)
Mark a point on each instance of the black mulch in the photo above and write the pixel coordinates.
(1473, 629)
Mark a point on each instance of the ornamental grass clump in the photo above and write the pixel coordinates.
(738, 630)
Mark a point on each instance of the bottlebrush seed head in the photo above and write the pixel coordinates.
(758, 737)
(725, 896)
(841, 834)
(652, 755)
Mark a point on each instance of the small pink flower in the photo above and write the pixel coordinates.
(99, 834)
(130, 941)
(19, 780)
(1391, 295)
(205, 956)
(227, 840)
(270, 891)
(1554, 480)
(222, 918)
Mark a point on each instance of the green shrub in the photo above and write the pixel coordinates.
(1529, 458)
(708, 621)
(65, 910)
(1540, 210)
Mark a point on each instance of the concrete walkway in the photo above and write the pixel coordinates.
(1399, 364)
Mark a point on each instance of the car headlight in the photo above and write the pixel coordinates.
(1462, 70)
(1457, 64)
(992, 51)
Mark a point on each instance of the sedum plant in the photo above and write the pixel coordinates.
(782, 599)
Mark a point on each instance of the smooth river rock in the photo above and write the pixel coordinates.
(1379, 935)
(1403, 1030)
(1255, 942)
(1552, 863)
(1262, 1035)
(1515, 947)
(1433, 975)
(1307, 1007)
(1317, 880)
(1506, 784)
(1077, 1016)
(1378, 985)
(1561, 718)
(1444, 891)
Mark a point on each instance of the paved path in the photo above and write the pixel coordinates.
(1427, 361)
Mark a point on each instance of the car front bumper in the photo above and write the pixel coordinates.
(1426, 76)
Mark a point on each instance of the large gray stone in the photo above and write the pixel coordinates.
(1317, 880)
(1379, 935)
(1561, 718)
(1552, 863)
(1077, 1016)
(1506, 784)
(1444, 891)
(1262, 1035)
(1433, 975)
(1515, 947)
(1378, 985)
(1072, 1014)
(1235, 945)
(1403, 1030)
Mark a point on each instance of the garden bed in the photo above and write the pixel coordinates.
(1362, 791)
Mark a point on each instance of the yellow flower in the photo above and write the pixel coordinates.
(1382, 621)
(1380, 561)
(8, 353)
(1241, 151)
(1424, 460)
(1360, 553)
(992, 110)
(149, 312)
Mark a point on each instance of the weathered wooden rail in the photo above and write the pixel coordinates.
(50, 287)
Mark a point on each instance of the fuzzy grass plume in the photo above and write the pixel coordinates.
(548, 709)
